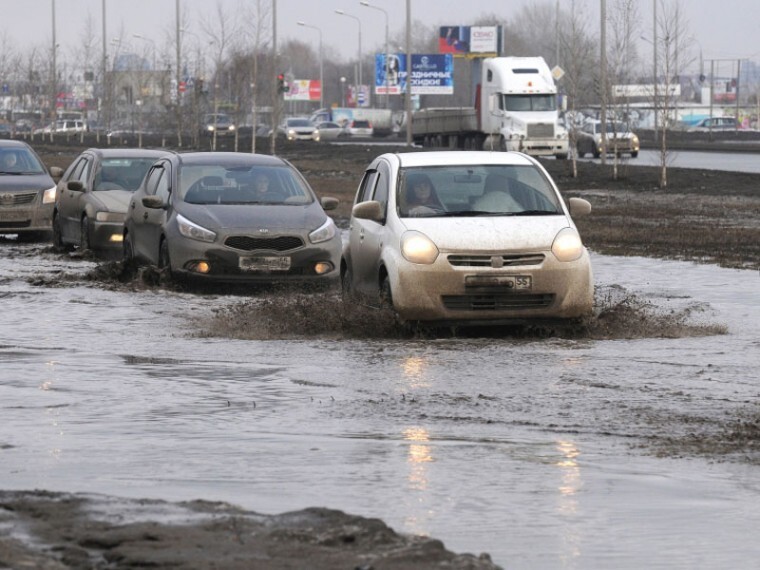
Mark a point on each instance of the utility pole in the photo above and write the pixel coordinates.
(408, 73)
(603, 60)
(178, 76)
(275, 90)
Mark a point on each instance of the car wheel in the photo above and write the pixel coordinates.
(57, 235)
(634, 154)
(581, 152)
(346, 283)
(597, 154)
(84, 234)
(128, 250)
(164, 261)
(386, 295)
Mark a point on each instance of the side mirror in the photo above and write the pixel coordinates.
(578, 207)
(75, 186)
(329, 203)
(56, 172)
(371, 210)
(153, 202)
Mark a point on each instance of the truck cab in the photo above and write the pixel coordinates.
(518, 107)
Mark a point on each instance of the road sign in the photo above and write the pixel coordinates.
(557, 73)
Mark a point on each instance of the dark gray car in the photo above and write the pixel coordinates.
(232, 217)
(93, 195)
(27, 191)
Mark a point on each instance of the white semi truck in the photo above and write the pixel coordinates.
(516, 108)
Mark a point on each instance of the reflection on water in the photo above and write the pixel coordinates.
(419, 454)
(415, 368)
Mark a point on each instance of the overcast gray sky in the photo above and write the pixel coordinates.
(725, 29)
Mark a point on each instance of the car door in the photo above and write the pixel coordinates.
(367, 236)
(72, 202)
(145, 223)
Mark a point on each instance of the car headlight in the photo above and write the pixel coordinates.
(418, 248)
(567, 245)
(324, 232)
(635, 140)
(194, 231)
(291, 132)
(109, 217)
(210, 128)
(232, 127)
(48, 196)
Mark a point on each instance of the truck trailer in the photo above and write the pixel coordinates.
(516, 108)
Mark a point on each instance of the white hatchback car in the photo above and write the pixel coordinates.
(467, 238)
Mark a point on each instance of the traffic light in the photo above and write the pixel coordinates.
(282, 87)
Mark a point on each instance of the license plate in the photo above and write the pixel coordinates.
(517, 282)
(274, 263)
(13, 216)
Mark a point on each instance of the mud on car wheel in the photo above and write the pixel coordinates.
(346, 283)
(57, 235)
(164, 261)
(84, 234)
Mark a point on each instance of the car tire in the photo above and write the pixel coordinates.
(346, 283)
(580, 152)
(597, 154)
(128, 250)
(164, 260)
(57, 234)
(386, 294)
(634, 154)
(84, 234)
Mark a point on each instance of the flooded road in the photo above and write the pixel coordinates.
(544, 452)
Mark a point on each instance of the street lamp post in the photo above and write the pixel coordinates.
(321, 67)
(54, 72)
(387, 55)
(342, 91)
(358, 21)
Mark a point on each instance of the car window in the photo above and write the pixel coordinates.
(20, 160)
(235, 184)
(80, 169)
(152, 181)
(482, 189)
(366, 187)
(163, 188)
(122, 173)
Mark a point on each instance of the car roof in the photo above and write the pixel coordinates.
(464, 157)
(9, 143)
(241, 158)
(129, 152)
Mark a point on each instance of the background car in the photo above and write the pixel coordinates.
(27, 191)
(298, 129)
(92, 197)
(232, 217)
(217, 122)
(619, 139)
(330, 131)
(715, 124)
(461, 254)
(359, 128)
(63, 126)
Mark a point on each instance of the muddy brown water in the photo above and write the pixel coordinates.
(627, 444)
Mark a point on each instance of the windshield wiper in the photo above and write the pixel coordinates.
(537, 213)
(11, 173)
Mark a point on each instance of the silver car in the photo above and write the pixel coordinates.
(232, 217)
(467, 238)
(27, 191)
(91, 202)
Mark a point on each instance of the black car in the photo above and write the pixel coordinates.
(91, 202)
(27, 191)
(232, 217)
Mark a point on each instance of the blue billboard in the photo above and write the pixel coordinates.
(432, 74)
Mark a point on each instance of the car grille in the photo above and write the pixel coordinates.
(19, 199)
(488, 260)
(15, 225)
(496, 302)
(541, 130)
(248, 243)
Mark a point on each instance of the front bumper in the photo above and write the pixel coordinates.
(538, 147)
(22, 213)
(438, 292)
(224, 262)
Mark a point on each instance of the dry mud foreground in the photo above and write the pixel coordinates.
(705, 216)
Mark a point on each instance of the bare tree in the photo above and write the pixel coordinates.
(622, 56)
(577, 59)
(673, 42)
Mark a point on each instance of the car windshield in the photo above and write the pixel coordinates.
(19, 160)
(243, 184)
(299, 123)
(616, 128)
(475, 191)
(122, 173)
(530, 103)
